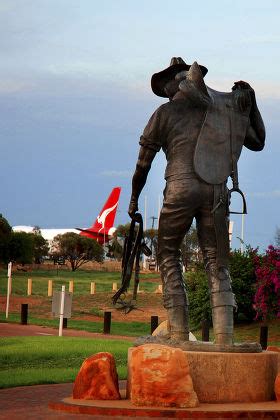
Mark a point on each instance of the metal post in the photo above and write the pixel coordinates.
(145, 228)
(263, 336)
(107, 323)
(24, 314)
(9, 288)
(242, 234)
(64, 324)
(205, 330)
(61, 311)
(154, 323)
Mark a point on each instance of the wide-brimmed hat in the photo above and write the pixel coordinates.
(160, 79)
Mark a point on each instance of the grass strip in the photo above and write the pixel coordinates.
(82, 280)
(39, 360)
(130, 329)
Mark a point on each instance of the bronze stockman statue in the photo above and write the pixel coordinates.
(201, 132)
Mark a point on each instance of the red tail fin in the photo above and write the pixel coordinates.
(105, 219)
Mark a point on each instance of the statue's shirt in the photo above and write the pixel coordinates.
(201, 140)
(175, 127)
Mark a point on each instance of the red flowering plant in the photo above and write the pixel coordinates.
(267, 296)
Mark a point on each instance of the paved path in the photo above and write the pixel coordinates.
(31, 403)
(14, 330)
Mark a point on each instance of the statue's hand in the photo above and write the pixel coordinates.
(133, 207)
(245, 86)
(241, 85)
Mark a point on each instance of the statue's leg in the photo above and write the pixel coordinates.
(175, 220)
(212, 233)
(222, 303)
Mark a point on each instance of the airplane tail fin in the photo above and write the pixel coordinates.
(105, 219)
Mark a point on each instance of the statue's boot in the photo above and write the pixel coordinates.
(222, 317)
(222, 303)
(178, 323)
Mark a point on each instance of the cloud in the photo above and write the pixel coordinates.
(13, 86)
(264, 89)
(261, 39)
(118, 174)
(265, 194)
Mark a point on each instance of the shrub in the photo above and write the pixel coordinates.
(267, 297)
(243, 278)
(199, 300)
(243, 285)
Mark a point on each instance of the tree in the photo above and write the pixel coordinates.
(115, 249)
(77, 249)
(122, 231)
(5, 237)
(41, 247)
(242, 272)
(21, 247)
(191, 253)
(151, 236)
(117, 244)
(199, 299)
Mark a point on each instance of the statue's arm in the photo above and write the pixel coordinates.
(143, 166)
(150, 144)
(255, 136)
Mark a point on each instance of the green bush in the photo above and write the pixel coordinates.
(243, 283)
(199, 300)
(243, 286)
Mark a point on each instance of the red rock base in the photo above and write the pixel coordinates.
(160, 376)
(277, 387)
(224, 377)
(97, 379)
(267, 410)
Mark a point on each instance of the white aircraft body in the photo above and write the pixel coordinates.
(101, 230)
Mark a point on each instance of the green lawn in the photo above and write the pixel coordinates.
(35, 360)
(130, 329)
(82, 280)
(41, 360)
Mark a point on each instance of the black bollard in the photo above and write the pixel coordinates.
(263, 336)
(107, 323)
(154, 323)
(24, 313)
(205, 330)
(64, 324)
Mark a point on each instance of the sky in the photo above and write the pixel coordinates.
(75, 97)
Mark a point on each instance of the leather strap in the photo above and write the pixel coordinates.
(133, 247)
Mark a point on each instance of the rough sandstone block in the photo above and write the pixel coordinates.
(277, 387)
(159, 376)
(97, 379)
(273, 348)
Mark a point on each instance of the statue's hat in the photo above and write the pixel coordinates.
(160, 79)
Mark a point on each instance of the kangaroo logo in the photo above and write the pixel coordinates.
(102, 218)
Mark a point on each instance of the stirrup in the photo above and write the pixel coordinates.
(234, 189)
